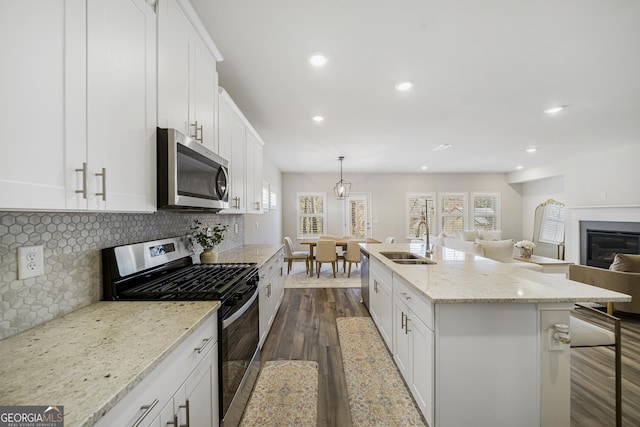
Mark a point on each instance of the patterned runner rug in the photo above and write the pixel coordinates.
(285, 394)
(377, 394)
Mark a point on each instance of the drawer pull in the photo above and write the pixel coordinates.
(147, 410)
(404, 294)
(203, 345)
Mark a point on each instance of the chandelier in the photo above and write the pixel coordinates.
(342, 187)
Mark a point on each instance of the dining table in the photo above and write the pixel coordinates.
(340, 241)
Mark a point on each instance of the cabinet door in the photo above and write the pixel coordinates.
(120, 87)
(43, 101)
(174, 32)
(204, 94)
(232, 147)
(422, 365)
(381, 306)
(264, 305)
(254, 173)
(200, 387)
(401, 338)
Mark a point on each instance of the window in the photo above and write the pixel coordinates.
(419, 206)
(552, 228)
(312, 220)
(358, 216)
(265, 196)
(273, 199)
(486, 211)
(453, 211)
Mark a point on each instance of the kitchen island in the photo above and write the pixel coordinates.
(471, 336)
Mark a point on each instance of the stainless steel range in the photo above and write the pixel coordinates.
(164, 270)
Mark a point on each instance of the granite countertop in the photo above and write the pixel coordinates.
(259, 254)
(89, 359)
(459, 277)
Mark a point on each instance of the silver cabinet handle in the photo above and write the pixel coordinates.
(375, 286)
(84, 180)
(406, 326)
(203, 345)
(405, 295)
(403, 320)
(173, 423)
(257, 206)
(195, 135)
(104, 184)
(186, 407)
(147, 410)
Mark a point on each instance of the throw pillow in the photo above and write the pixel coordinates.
(491, 234)
(500, 250)
(469, 235)
(627, 263)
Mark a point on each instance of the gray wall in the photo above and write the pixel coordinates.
(72, 242)
(388, 195)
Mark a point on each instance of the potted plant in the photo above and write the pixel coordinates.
(208, 238)
(526, 248)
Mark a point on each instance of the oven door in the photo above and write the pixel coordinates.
(239, 356)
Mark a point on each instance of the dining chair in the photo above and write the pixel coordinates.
(326, 236)
(290, 255)
(353, 254)
(326, 252)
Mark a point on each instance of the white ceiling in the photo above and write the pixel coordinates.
(484, 71)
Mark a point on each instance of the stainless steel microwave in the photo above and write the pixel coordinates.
(190, 176)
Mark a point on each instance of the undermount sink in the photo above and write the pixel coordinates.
(414, 261)
(406, 258)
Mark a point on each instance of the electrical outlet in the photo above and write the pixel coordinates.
(554, 343)
(30, 262)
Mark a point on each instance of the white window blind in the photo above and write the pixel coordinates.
(311, 209)
(453, 212)
(552, 227)
(486, 211)
(419, 206)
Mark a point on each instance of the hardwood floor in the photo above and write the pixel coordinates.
(305, 329)
(593, 380)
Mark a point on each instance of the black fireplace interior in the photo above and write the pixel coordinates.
(605, 240)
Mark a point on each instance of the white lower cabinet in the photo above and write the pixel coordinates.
(380, 301)
(183, 386)
(413, 344)
(271, 292)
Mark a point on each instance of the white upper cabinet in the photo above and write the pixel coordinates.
(121, 104)
(240, 144)
(231, 139)
(79, 104)
(43, 99)
(187, 76)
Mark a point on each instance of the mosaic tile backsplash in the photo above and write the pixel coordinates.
(72, 265)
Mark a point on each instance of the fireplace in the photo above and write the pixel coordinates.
(600, 241)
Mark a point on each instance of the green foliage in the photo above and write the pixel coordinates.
(207, 237)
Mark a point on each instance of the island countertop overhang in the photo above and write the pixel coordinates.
(459, 277)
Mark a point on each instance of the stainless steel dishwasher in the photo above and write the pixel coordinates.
(364, 277)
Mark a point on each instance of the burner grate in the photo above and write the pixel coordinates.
(198, 281)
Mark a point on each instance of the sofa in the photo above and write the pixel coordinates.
(623, 276)
(484, 243)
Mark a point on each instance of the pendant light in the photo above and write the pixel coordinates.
(342, 188)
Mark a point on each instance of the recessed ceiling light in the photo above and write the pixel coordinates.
(404, 85)
(424, 168)
(554, 110)
(317, 60)
(519, 167)
(318, 119)
(443, 147)
(531, 150)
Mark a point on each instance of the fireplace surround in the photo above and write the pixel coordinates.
(601, 240)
